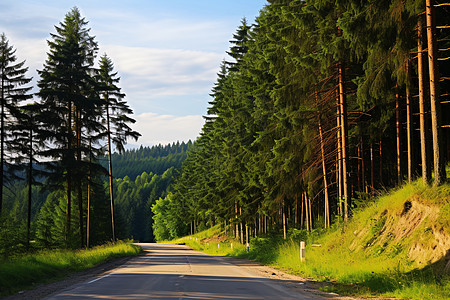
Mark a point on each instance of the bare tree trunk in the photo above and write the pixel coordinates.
(426, 176)
(409, 131)
(111, 179)
(88, 221)
(344, 139)
(306, 211)
(266, 229)
(339, 158)
(284, 220)
(296, 212)
(439, 167)
(236, 218)
(310, 213)
(363, 168)
(359, 183)
(30, 183)
(259, 220)
(241, 225)
(372, 171)
(2, 142)
(381, 162)
(69, 174)
(78, 180)
(246, 234)
(397, 127)
(325, 182)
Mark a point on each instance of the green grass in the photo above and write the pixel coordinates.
(366, 258)
(26, 271)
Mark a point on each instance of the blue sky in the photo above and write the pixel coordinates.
(167, 52)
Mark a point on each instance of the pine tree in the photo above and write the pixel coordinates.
(436, 129)
(26, 144)
(12, 92)
(240, 45)
(71, 106)
(116, 117)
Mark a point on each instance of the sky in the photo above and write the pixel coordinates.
(167, 52)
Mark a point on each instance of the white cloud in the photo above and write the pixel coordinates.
(166, 66)
(164, 129)
(150, 77)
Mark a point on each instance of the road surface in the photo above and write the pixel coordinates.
(168, 271)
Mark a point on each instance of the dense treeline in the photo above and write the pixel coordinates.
(155, 159)
(133, 199)
(75, 117)
(324, 104)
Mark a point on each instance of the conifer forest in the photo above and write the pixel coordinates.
(58, 187)
(321, 106)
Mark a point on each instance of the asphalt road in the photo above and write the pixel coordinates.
(176, 272)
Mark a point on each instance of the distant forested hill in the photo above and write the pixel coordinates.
(156, 159)
(141, 177)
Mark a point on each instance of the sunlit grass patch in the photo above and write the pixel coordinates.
(26, 271)
(371, 255)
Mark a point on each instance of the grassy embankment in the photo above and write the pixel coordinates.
(27, 271)
(395, 246)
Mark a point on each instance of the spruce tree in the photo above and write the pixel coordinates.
(12, 92)
(71, 106)
(116, 116)
(26, 144)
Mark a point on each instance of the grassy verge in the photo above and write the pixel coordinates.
(369, 257)
(29, 270)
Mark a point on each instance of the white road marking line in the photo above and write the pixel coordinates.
(107, 275)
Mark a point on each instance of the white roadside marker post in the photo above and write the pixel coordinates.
(302, 251)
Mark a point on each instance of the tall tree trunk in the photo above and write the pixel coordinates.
(69, 173)
(363, 168)
(439, 167)
(359, 184)
(306, 211)
(246, 234)
(372, 170)
(2, 144)
(381, 162)
(283, 214)
(296, 212)
(30, 182)
(325, 182)
(78, 181)
(344, 139)
(302, 212)
(426, 176)
(111, 180)
(265, 224)
(397, 127)
(310, 212)
(88, 221)
(409, 131)
(241, 225)
(339, 157)
(236, 218)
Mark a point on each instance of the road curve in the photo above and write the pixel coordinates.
(168, 271)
